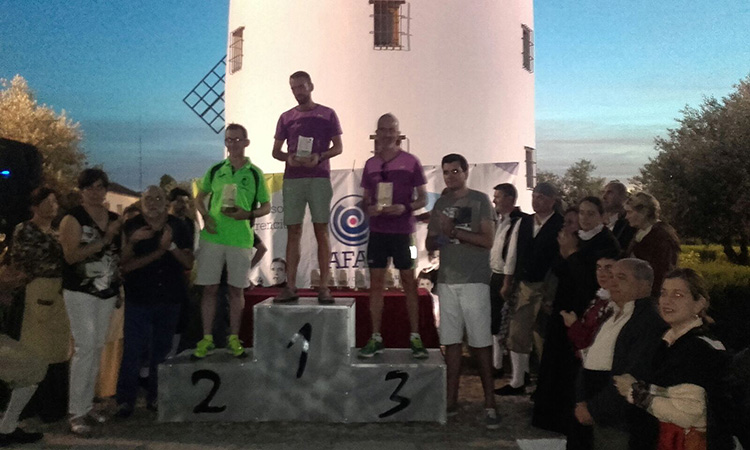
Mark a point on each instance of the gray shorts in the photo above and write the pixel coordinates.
(211, 258)
(299, 192)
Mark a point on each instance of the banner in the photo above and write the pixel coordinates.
(348, 226)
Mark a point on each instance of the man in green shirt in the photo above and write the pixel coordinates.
(237, 193)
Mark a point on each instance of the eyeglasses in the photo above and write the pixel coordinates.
(95, 187)
(452, 172)
(233, 140)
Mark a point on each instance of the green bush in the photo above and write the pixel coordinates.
(729, 289)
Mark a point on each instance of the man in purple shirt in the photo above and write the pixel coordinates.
(313, 136)
(389, 181)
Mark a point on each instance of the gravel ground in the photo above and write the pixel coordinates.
(464, 431)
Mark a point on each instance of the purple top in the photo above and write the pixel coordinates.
(321, 124)
(406, 173)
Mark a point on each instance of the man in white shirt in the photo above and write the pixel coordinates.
(534, 246)
(626, 342)
(504, 200)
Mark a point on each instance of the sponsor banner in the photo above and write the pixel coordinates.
(348, 226)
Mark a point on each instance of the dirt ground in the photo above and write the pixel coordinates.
(464, 431)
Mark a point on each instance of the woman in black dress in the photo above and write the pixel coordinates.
(684, 393)
(554, 399)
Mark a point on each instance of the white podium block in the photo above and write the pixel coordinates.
(304, 339)
(303, 348)
(395, 387)
(303, 368)
(219, 388)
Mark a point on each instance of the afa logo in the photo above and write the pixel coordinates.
(348, 222)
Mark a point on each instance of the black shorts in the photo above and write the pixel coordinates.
(381, 246)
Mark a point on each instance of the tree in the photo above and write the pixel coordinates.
(577, 182)
(701, 174)
(57, 137)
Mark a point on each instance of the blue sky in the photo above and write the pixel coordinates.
(610, 75)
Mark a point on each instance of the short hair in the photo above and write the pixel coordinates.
(281, 260)
(547, 189)
(507, 189)
(40, 194)
(570, 209)
(90, 176)
(236, 126)
(455, 157)
(645, 203)
(696, 283)
(619, 187)
(154, 187)
(178, 192)
(596, 201)
(641, 269)
(301, 74)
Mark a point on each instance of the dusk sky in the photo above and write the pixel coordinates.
(610, 75)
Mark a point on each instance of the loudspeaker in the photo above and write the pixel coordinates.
(20, 173)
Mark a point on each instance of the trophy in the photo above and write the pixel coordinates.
(304, 147)
(314, 279)
(228, 198)
(360, 281)
(342, 280)
(390, 282)
(385, 194)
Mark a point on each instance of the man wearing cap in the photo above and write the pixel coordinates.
(530, 284)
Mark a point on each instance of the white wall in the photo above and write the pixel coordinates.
(118, 202)
(459, 88)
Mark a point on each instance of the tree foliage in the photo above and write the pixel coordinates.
(577, 182)
(701, 174)
(55, 135)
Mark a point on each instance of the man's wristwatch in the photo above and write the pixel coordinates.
(172, 246)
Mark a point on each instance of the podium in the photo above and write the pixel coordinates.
(304, 367)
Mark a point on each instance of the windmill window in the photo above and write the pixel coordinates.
(530, 167)
(388, 24)
(527, 38)
(235, 50)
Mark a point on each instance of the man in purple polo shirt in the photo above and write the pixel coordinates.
(390, 179)
(313, 136)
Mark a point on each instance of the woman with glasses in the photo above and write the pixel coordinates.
(89, 235)
(685, 393)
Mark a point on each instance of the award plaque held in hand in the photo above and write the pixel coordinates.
(304, 147)
(385, 194)
(228, 198)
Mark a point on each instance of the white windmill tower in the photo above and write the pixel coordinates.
(457, 73)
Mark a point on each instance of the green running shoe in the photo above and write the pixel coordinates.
(372, 348)
(235, 347)
(417, 348)
(203, 348)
